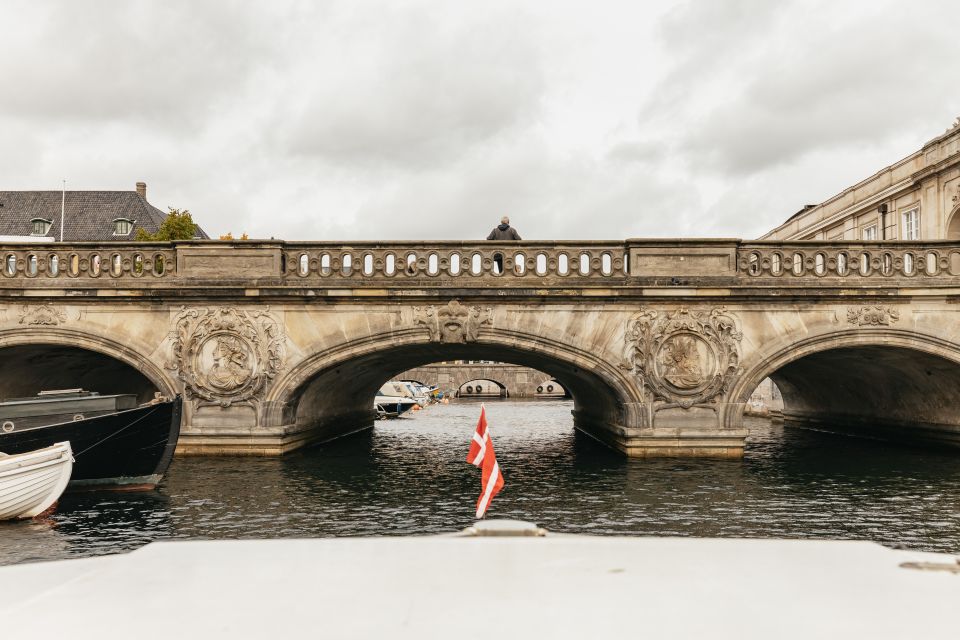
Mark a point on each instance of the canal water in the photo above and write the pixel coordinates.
(409, 476)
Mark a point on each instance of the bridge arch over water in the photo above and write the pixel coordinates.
(50, 358)
(332, 392)
(887, 383)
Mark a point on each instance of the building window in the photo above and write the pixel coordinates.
(122, 227)
(870, 233)
(911, 224)
(40, 226)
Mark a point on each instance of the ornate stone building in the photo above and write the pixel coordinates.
(917, 198)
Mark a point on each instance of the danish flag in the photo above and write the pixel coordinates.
(482, 455)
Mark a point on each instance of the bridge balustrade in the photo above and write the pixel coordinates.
(455, 260)
(316, 263)
(88, 261)
(818, 261)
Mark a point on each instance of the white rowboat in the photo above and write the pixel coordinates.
(31, 483)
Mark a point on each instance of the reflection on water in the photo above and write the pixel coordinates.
(409, 476)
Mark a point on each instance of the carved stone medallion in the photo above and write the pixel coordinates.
(226, 356)
(454, 322)
(684, 357)
(872, 315)
(42, 315)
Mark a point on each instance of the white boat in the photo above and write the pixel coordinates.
(392, 400)
(31, 483)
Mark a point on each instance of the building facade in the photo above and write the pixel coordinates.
(88, 216)
(917, 198)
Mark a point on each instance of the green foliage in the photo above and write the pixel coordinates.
(178, 225)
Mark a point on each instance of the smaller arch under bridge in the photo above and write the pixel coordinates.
(512, 381)
(660, 343)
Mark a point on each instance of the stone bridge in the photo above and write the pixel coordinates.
(511, 380)
(275, 345)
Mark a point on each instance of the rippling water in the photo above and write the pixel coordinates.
(408, 476)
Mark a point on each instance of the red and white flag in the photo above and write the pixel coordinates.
(482, 455)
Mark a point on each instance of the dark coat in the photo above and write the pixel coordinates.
(504, 232)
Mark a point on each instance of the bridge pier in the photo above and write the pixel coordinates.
(675, 435)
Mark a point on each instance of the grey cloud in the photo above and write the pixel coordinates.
(406, 90)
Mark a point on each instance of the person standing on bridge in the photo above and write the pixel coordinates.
(503, 231)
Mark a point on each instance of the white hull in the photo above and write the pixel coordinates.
(31, 483)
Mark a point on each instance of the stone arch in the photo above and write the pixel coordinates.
(503, 391)
(546, 384)
(951, 230)
(887, 383)
(133, 372)
(603, 394)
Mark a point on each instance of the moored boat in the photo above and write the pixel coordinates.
(32, 482)
(392, 400)
(115, 446)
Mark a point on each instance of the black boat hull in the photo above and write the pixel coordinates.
(127, 450)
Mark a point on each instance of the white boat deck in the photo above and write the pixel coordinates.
(488, 587)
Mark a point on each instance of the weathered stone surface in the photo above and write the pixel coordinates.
(289, 344)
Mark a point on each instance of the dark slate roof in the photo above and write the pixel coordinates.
(90, 215)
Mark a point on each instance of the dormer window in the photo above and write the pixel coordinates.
(122, 227)
(40, 226)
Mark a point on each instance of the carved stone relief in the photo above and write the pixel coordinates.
(42, 315)
(684, 357)
(872, 316)
(454, 322)
(226, 356)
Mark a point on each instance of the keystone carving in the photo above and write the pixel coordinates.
(42, 315)
(226, 356)
(872, 316)
(684, 357)
(454, 322)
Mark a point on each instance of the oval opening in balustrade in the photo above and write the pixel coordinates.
(368, 264)
(455, 264)
(411, 268)
(476, 264)
(932, 266)
(584, 264)
(776, 263)
(389, 264)
(519, 264)
(908, 264)
(433, 264)
(886, 264)
(116, 265)
(753, 264)
(865, 264)
(303, 265)
(73, 265)
(563, 264)
(541, 264)
(606, 264)
(498, 263)
(53, 265)
(843, 264)
(626, 264)
(325, 264)
(346, 264)
(32, 265)
(95, 265)
(955, 263)
(797, 264)
(159, 265)
(283, 264)
(10, 265)
(819, 264)
(136, 267)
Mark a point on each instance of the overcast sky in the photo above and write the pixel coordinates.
(431, 119)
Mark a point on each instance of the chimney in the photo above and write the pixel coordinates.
(142, 190)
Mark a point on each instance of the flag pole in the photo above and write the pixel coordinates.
(63, 207)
